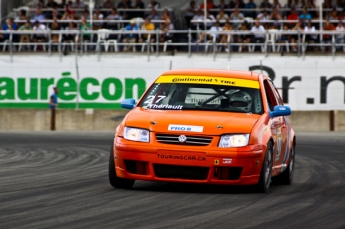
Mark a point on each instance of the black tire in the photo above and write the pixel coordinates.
(115, 181)
(266, 170)
(287, 176)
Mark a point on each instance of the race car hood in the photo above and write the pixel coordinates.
(198, 122)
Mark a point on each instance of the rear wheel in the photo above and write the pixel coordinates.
(287, 176)
(115, 181)
(266, 170)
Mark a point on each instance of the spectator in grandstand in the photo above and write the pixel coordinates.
(11, 26)
(52, 4)
(311, 38)
(265, 5)
(276, 16)
(84, 27)
(78, 4)
(236, 17)
(113, 16)
(213, 34)
(305, 16)
(310, 5)
(210, 19)
(339, 39)
(25, 27)
(97, 16)
(147, 26)
(342, 15)
(340, 5)
(130, 37)
(153, 5)
(287, 7)
(297, 4)
(294, 38)
(259, 33)
(39, 27)
(333, 15)
(86, 14)
(328, 27)
(190, 12)
(209, 5)
(125, 4)
(226, 37)
(166, 16)
(231, 4)
(239, 4)
(108, 4)
(21, 17)
(292, 16)
(244, 38)
(166, 28)
(40, 4)
(67, 15)
(250, 5)
(222, 16)
(263, 17)
(222, 5)
(62, 4)
(276, 5)
(55, 26)
(55, 15)
(284, 37)
(139, 4)
(38, 15)
(69, 36)
(327, 4)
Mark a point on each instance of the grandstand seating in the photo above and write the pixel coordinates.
(105, 39)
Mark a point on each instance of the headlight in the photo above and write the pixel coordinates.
(135, 134)
(234, 140)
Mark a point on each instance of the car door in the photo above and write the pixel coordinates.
(276, 125)
(285, 129)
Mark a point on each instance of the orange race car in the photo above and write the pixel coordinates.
(205, 126)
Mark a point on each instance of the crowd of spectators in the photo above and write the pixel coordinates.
(232, 15)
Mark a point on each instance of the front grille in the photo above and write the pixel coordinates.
(181, 172)
(191, 140)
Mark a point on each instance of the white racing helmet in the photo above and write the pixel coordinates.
(242, 100)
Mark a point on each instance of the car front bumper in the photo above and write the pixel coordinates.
(171, 163)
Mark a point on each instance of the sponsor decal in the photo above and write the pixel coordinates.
(216, 162)
(166, 107)
(209, 80)
(176, 127)
(227, 160)
(181, 157)
(90, 92)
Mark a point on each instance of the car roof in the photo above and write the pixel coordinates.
(216, 73)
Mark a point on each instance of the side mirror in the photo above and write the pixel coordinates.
(128, 103)
(280, 111)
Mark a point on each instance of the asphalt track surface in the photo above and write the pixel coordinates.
(59, 180)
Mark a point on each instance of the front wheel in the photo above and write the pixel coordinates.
(266, 170)
(115, 181)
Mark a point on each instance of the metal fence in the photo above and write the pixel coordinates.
(183, 41)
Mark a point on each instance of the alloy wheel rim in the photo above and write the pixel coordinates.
(268, 168)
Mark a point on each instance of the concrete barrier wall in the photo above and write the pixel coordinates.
(101, 120)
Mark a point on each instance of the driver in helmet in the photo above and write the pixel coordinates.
(241, 100)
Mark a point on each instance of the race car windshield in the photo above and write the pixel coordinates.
(189, 96)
